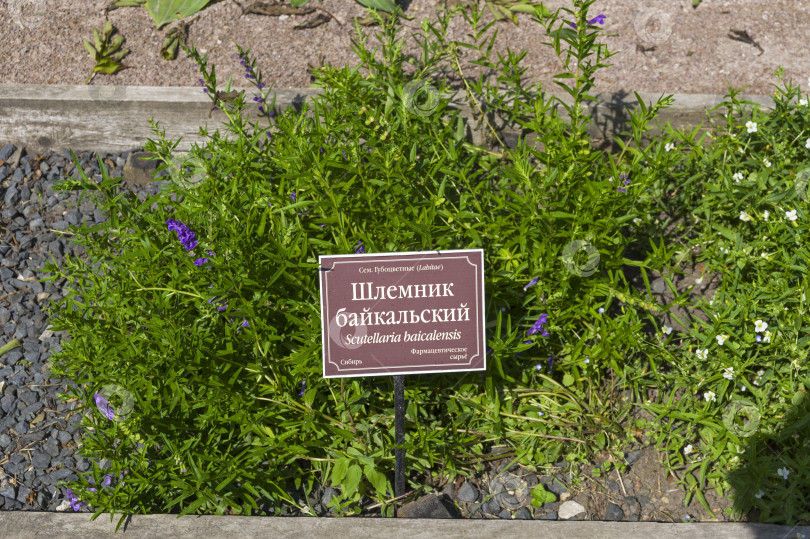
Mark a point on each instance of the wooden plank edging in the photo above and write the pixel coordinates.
(116, 118)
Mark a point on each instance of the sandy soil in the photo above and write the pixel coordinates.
(693, 54)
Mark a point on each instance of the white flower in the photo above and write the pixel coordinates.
(740, 150)
(803, 102)
(751, 126)
(766, 163)
(710, 396)
(765, 214)
(637, 221)
(738, 176)
(767, 337)
(666, 329)
(728, 373)
(687, 449)
(759, 495)
(669, 146)
(721, 339)
(783, 473)
(760, 326)
(807, 144)
(803, 296)
(743, 388)
(744, 216)
(701, 354)
(790, 215)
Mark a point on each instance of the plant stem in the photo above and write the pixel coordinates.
(9, 346)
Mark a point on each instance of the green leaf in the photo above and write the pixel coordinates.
(353, 476)
(540, 496)
(165, 11)
(568, 380)
(377, 479)
(380, 5)
(339, 471)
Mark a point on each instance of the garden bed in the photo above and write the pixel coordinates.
(654, 208)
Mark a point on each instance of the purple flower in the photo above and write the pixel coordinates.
(260, 85)
(532, 282)
(201, 82)
(599, 19)
(293, 196)
(321, 226)
(303, 388)
(601, 310)
(245, 323)
(759, 338)
(539, 366)
(205, 90)
(360, 249)
(269, 134)
(185, 234)
(200, 261)
(75, 504)
(622, 189)
(107, 481)
(104, 406)
(258, 99)
(538, 326)
(550, 362)
(527, 342)
(626, 182)
(249, 76)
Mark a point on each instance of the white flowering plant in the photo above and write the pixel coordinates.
(739, 372)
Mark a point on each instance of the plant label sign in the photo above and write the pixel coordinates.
(386, 314)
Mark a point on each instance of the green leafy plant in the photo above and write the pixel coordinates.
(106, 54)
(540, 496)
(165, 11)
(195, 317)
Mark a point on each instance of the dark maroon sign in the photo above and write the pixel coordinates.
(402, 313)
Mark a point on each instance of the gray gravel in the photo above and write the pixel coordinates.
(38, 432)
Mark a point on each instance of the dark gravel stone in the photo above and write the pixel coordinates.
(63, 436)
(467, 493)
(12, 196)
(8, 491)
(505, 514)
(5, 440)
(551, 515)
(492, 507)
(523, 514)
(51, 447)
(27, 396)
(7, 402)
(40, 460)
(430, 506)
(6, 151)
(554, 485)
(22, 493)
(28, 412)
(613, 512)
(632, 456)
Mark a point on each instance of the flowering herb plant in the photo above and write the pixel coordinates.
(221, 353)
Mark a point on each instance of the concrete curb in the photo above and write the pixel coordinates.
(26, 524)
(116, 118)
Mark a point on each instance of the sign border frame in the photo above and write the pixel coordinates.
(321, 280)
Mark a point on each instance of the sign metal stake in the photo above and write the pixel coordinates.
(399, 435)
